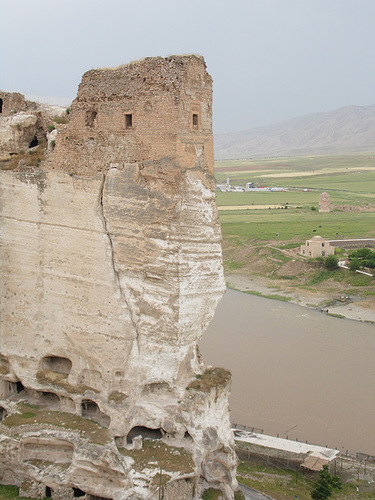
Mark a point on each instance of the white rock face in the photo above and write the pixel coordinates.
(16, 132)
(110, 280)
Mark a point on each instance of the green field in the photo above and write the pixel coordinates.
(243, 226)
(256, 235)
(349, 179)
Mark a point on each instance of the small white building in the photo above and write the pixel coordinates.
(317, 247)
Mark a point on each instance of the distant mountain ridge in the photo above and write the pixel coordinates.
(345, 130)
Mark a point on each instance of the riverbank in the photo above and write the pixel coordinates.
(359, 308)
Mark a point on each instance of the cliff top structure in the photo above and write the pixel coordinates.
(112, 270)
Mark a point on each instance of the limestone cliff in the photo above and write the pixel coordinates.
(111, 271)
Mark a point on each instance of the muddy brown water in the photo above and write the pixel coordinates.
(296, 372)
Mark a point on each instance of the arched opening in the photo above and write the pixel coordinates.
(19, 387)
(49, 399)
(91, 410)
(57, 364)
(1, 105)
(78, 493)
(3, 413)
(34, 142)
(48, 493)
(145, 432)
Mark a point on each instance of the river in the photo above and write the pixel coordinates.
(296, 372)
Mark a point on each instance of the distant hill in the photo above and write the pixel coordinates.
(345, 130)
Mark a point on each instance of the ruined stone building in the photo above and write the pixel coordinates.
(111, 270)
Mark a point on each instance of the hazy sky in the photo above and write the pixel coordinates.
(270, 59)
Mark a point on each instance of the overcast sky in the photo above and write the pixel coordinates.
(270, 59)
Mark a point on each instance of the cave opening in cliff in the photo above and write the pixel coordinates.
(90, 409)
(49, 399)
(34, 142)
(145, 432)
(1, 105)
(48, 493)
(3, 413)
(16, 387)
(57, 364)
(78, 493)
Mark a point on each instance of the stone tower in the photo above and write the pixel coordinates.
(112, 270)
(324, 203)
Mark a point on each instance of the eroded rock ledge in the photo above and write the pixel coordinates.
(112, 270)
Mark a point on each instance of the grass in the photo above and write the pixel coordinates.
(263, 225)
(59, 380)
(268, 296)
(248, 234)
(211, 377)
(212, 494)
(31, 158)
(155, 454)
(283, 484)
(232, 265)
(349, 179)
(10, 493)
(88, 429)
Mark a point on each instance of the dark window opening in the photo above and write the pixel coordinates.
(34, 142)
(89, 408)
(78, 493)
(90, 118)
(128, 120)
(19, 387)
(3, 413)
(145, 432)
(48, 492)
(1, 105)
(195, 121)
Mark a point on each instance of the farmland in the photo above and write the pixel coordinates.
(262, 230)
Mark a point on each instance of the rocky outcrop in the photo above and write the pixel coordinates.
(17, 132)
(112, 270)
(25, 124)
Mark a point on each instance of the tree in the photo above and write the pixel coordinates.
(354, 264)
(331, 262)
(326, 483)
